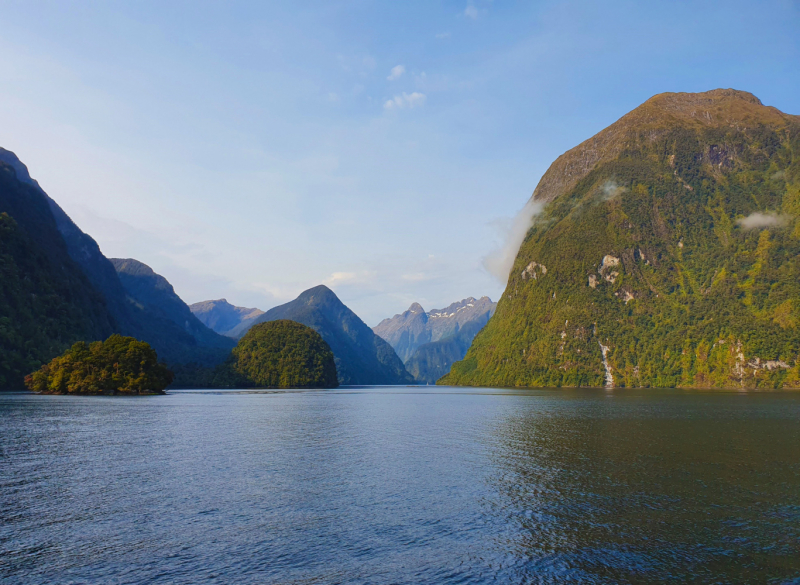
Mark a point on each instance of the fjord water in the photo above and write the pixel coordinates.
(401, 485)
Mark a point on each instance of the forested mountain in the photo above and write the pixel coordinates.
(46, 301)
(361, 356)
(58, 288)
(223, 317)
(415, 327)
(667, 254)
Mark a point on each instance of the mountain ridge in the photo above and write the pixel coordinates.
(409, 330)
(223, 317)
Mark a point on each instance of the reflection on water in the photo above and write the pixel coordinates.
(702, 488)
(396, 485)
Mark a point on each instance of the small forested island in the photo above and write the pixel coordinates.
(279, 354)
(118, 365)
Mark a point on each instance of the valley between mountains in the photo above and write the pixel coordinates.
(666, 254)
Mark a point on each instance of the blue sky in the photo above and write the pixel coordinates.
(251, 150)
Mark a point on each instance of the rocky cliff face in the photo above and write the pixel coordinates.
(667, 254)
(223, 317)
(415, 327)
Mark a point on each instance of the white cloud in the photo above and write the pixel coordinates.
(397, 72)
(409, 100)
(500, 261)
(471, 12)
(443, 35)
(761, 220)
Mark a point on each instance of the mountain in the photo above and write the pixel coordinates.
(667, 253)
(102, 299)
(409, 330)
(155, 294)
(223, 317)
(46, 301)
(432, 360)
(362, 358)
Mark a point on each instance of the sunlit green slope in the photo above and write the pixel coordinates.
(667, 253)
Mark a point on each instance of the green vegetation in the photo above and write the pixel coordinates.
(279, 354)
(119, 365)
(680, 254)
(45, 305)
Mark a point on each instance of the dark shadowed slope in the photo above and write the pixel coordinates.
(156, 295)
(223, 317)
(170, 340)
(361, 356)
(46, 301)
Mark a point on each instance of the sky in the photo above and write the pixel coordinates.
(252, 150)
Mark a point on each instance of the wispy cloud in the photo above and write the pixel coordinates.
(761, 220)
(471, 11)
(500, 262)
(359, 278)
(610, 189)
(443, 35)
(405, 100)
(397, 72)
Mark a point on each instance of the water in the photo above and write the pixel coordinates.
(401, 485)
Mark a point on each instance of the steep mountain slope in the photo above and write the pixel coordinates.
(46, 302)
(415, 327)
(153, 292)
(223, 317)
(667, 254)
(361, 356)
(173, 344)
(432, 360)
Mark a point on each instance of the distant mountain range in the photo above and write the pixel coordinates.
(411, 329)
(223, 317)
(428, 342)
(361, 356)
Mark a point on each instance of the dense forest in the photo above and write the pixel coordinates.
(119, 365)
(279, 354)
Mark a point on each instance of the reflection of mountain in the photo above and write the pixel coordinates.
(630, 488)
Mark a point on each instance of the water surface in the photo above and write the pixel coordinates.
(401, 485)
